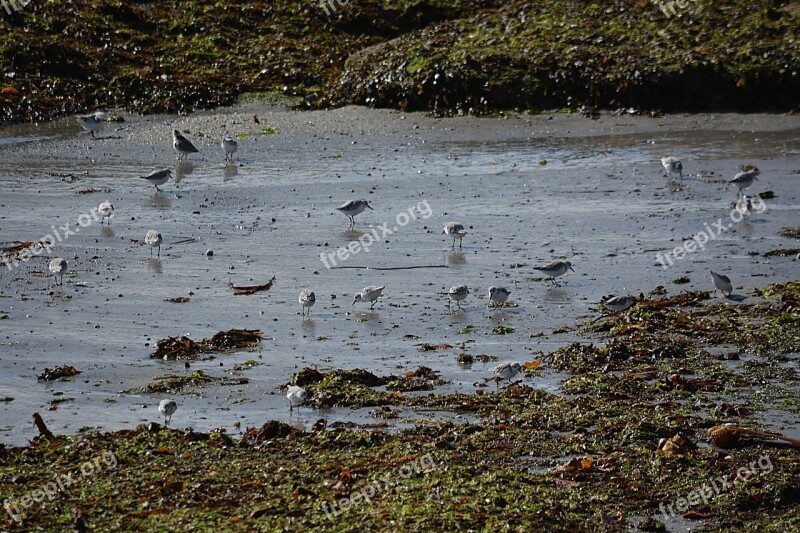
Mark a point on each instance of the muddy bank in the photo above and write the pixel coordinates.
(445, 57)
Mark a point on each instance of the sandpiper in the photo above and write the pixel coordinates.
(369, 294)
(498, 296)
(182, 145)
(159, 177)
(93, 122)
(745, 178)
(153, 239)
(506, 370)
(457, 293)
(229, 145)
(673, 166)
(296, 396)
(58, 266)
(307, 300)
(167, 408)
(722, 283)
(351, 208)
(619, 303)
(456, 231)
(555, 269)
(106, 210)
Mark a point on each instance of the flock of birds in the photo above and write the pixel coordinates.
(498, 296)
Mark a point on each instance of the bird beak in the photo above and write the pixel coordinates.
(369, 207)
(572, 268)
(354, 303)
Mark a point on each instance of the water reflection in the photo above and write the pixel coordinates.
(106, 231)
(229, 171)
(454, 258)
(159, 201)
(182, 170)
(154, 265)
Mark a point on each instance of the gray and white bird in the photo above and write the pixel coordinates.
(167, 408)
(307, 300)
(457, 293)
(106, 211)
(154, 240)
(745, 178)
(93, 122)
(506, 370)
(456, 231)
(744, 206)
(230, 146)
(555, 269)
(182, 145)
(58, 267)
(498, 296)
(159, 177)
(722, 283)
(351, 208)
(297, 396)
(619, 303)
(369, 294)
(673, 166)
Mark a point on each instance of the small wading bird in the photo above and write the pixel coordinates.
(307, 300)
(619, 303)
(182, 145)
(93, 122)
(555, 269)
(167, 408)
(456, 231)
(153, 239)
(230, 146)
(369, 294)
(352, 208)
(106, 210)
(58, 266)
(457, 293)
(506, 371)
(159, 177)
(745, 178)
(722, 283)
(673, 166)
(297, 396)
(498, 296)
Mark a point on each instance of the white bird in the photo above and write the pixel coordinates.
(744, 206)
(498, 296)
(745, 178)
(230, 146)
(153, 239)
(673, 166)
(159, 177)
(93, 122)
(722, 283)
(351, 208)
(507, 370)
(107, 211)
(58, 266)
(456, 231)
(457, 293)
(369, 294)
(619, 303)
(296, 396)
(307, 299)
(182, 145)
(555, 269)
(167, 408)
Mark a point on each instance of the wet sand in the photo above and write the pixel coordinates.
(530, 189)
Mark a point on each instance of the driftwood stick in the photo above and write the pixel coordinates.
(393, 268)
(40, 425)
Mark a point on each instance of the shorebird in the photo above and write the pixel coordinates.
(159, 177)
(673, 166)
(351, 208)
(369, 294)
(456, 231)
(506, 371)
(307, 300)
(229, 145)
(498, 296)
(745, 178)
(167, 408)
(296, 396)
(744, 206)
(457, 293)
(107, 211)
(182, 145)
(153, 239)
(58, 266)
(619, 303)
(93, 122)
(555, 269)
(722, 283)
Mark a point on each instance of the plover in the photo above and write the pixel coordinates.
(297, 396)
(352, 208)
(167, 408)
(722, 283)
(159, 177)
(369, 294)
(182, 145)
(58, 267)
(153, 239)
(555, 269)
(619, 303)
(307, 300)
(506, 370)
(456, 231)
